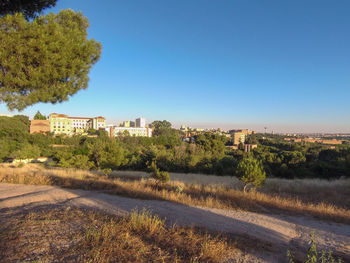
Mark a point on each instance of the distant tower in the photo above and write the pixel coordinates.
(141, 123)
(265, 129)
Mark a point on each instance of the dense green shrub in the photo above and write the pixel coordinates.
(159, 176)
(251, 171)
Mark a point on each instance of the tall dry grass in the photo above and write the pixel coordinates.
(308, 190)
(309, 197)
(75, 235)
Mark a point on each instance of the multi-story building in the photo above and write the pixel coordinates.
(245, 131)
(114, 131)
(131, 128)
(238, 137)
(126, 124)
(249, 147)
(63, 124)
(60, 124)
(80, 124)
(140, 122)
(98, 123)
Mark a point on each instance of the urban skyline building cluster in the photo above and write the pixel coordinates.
(130, 128)
(67, 125)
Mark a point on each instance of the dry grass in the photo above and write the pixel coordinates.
(306, 197)
(75, 235)
(307, 190)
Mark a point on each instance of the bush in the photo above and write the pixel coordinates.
(314, 256)
(159, 176)
(251, 171)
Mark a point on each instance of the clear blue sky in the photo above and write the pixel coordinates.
(230, 64)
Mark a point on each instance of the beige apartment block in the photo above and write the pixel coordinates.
(64, 124)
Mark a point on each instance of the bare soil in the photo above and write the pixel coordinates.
(273, 233)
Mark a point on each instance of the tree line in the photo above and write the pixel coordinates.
(207, 154)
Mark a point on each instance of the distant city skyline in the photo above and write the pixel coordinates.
(259, 127)
(230, 64)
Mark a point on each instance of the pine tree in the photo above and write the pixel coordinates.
(44, 60)
(39, 116)
(29, 8)
(251, 171)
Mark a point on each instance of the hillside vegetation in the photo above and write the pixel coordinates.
(207, 154)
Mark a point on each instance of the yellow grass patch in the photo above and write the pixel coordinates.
(308, 197)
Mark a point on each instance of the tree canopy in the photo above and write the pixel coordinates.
(29, 8)
(251, 171)
(39, 116)
(158, 126)
(44, 60)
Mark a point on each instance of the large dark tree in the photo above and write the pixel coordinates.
(29, 8)
(45, 60)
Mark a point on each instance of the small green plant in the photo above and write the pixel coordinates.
(179, 189)
(106, 171)
(21, 165)
(314, 256)
(251, 171)
(158, 175)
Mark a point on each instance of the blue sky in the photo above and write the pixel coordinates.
(230, 64)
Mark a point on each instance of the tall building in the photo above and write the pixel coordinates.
(140, 122)
(238, 137)
(245, 131)
(126, 124)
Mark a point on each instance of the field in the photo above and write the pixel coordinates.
(321, 199)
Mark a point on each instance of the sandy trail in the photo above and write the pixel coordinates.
(279, 232)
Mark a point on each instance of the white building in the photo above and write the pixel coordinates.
(98, 123)
(140, 122)
(114, 131)
(83, 123)
(80, 123)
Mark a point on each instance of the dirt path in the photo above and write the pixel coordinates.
(277, 232)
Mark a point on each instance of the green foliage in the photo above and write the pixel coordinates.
(92, 131)
(45, 60)
(155, 173)
(77, 161)
(251, 139)
(212, 142)
(315, 256)
(207, 154)
(26, 151)
(160, 126)
(39, 116)
(29, 8)
(251, 171)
